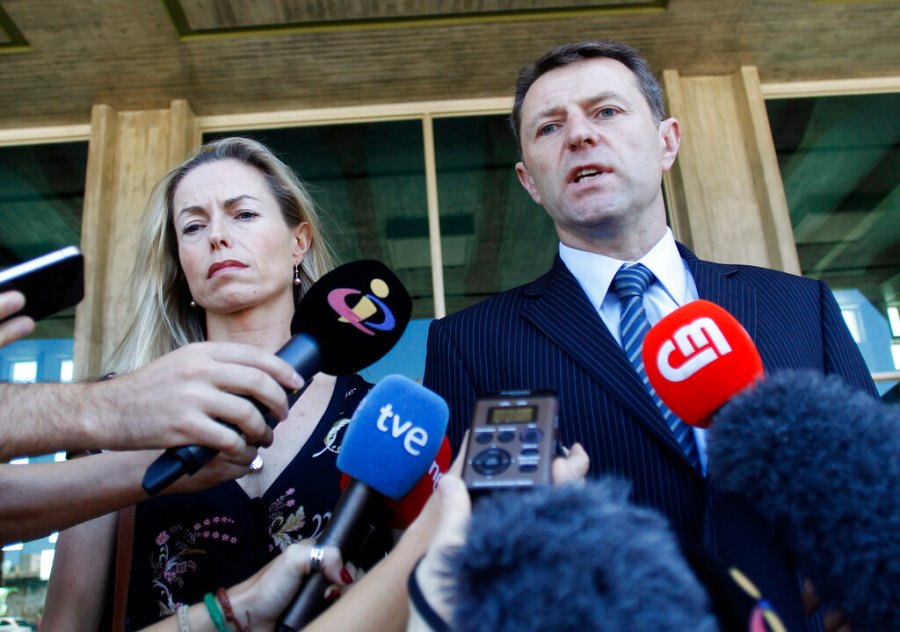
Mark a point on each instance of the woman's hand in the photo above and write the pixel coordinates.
(267, 594)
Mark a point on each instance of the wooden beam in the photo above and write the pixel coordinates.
(725, 195)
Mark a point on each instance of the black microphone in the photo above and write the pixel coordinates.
(698, 358)
(390, 444)
(348, 319)
(810, 453)
(573, 558)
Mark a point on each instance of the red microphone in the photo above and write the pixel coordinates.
(408, 508)
(698, 358)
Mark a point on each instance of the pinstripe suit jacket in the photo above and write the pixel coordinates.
(546, 334)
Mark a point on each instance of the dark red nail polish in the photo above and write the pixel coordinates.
(346, 576)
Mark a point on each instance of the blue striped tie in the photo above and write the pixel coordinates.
(630, 284)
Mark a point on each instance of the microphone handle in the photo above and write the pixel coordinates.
(359, 512)
(301, 352)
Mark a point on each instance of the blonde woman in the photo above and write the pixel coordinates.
(228, 245)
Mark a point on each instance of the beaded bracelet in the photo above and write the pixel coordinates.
(184, 621)
(225, 602)
(215, 614)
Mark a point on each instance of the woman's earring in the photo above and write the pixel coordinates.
(193, 303)
(296, 274)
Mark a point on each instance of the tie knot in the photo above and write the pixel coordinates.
(631, 281)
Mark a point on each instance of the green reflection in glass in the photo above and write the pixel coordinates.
(494, 236)
(368, 179)
(840, 162)
(41, 200)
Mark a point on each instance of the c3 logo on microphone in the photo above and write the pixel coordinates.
(701, 342)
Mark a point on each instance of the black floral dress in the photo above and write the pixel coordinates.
(186, 545)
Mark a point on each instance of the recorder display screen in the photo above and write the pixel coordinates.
(512, 414)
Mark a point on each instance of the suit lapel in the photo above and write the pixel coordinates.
(716, 283)
(561, 311)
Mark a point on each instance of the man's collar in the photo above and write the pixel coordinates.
(595, 272)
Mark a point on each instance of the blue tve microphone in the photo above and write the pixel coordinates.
(391, 442)
(347, 320)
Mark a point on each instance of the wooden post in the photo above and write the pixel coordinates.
(128, 153)
(725, 194)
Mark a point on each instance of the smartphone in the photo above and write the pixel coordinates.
(50, 283)
(513, 439)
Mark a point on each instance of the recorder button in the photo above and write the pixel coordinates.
(527, 468)
(484, 437)
(506, 436)
(492, 461)
(530, 453)
(532, 436)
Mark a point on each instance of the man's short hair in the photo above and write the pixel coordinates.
(572, 53)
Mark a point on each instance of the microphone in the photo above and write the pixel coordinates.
(577, 557)
(391, 442)
(697, 358)
(809, 452)
(347, 320)
(407, 509)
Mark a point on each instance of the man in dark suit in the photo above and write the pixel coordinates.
(595, 143)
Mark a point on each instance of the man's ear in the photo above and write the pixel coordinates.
(527, 183)
(670, 141)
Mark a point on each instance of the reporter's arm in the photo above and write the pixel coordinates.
(455, 509)
(172, 401)
(433, 582)
(40, 498)
(379, 601)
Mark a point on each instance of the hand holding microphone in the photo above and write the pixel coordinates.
(390, 444)
(347, 320)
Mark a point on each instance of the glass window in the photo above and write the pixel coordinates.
(24, 371)
(494, 236)
(66, 370)
(840, 160)
(368, 179)
(41, 199)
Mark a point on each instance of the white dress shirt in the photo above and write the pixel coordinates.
(674, 286)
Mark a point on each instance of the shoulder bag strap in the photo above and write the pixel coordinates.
(124, 552)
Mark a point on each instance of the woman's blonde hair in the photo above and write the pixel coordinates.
(160, 316)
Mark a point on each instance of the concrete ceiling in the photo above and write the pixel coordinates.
(58, 57)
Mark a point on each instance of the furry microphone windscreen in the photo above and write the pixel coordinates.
(574, 558)
(810, 453)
